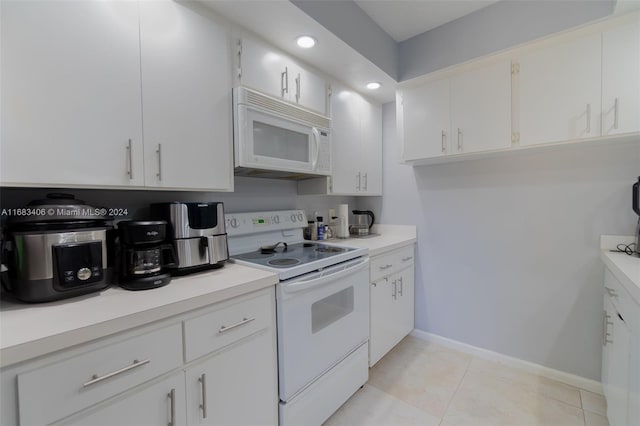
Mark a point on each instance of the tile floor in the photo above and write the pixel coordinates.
(421, 383)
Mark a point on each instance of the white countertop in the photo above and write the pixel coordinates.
(391, 237)
(625, 268)
(31, 330)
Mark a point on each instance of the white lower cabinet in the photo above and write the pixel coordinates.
(621, 354)
(235, 386)
(392, 301)
(142, 378)
(162, 403)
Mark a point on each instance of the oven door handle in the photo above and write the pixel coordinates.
(329, 274)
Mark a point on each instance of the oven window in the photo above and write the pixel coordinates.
(330, 309)
(276, 142)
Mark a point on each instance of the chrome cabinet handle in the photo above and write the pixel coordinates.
(605, 329)
(159, 152)
(366, 181)
(406, 259)
(444, 147)
(172, 405)
(611, 292)
(203, 385)
(284, 81)
(358, 179)
(298, 88)
(387, 266)
(400, 292)
(244, 321)
(615, 113)
(588, 118)
(459, 139)
(97, 379)
(129, 161)
(395, 290)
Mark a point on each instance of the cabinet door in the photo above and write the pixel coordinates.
(264, 69)
(404, 307)
(560, 92)
(186, 91)
(615, 364)
(307, 89)
(237, 386)
(481, 109)
(371, 147)
(159, 404)
(71, 108)
(426, 120)
(382, 335)
(620, 79)
(345, 139)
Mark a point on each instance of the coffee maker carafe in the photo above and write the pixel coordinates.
(144, 255)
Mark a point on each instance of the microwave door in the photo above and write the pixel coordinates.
(272, 142)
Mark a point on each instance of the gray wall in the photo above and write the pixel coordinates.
(508, 247)
(250, 194)
(500, 26)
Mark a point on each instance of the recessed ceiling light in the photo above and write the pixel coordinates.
(306, 41)
(373, 85)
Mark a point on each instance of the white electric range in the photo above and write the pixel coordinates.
(322, 304)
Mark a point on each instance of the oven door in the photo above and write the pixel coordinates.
(322, 317)
(268, 141)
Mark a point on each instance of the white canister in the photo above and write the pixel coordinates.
(343, 221)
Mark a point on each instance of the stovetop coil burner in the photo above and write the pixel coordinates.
(283, 262)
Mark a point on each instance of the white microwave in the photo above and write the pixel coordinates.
(274, 138)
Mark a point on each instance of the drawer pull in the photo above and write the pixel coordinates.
(244, 321)
(406, 259)
(611, 292)
(203, 385)
(96, 379)
(387, 266)
(172, 407)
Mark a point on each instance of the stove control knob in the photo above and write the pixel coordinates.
(293, 218)
(276, 219)
(84, 274)
(233, 222)
(300, 217)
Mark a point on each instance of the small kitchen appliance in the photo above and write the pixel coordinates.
(56, 248)
(197, 232)
(144, 255)
(322, 305)
(635, 204)
(363, 221)
(277, 139)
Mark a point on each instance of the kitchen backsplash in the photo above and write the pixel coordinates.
(250, 194)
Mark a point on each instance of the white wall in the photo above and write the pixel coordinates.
(508, 247)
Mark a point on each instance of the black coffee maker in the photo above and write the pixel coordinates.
(144, 255)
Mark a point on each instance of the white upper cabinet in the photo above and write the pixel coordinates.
(356, 147)
(186, 92)
(71, 109)
(560, 91)
(481, 109)
(621, 79)
(263, 68)
(426, 118)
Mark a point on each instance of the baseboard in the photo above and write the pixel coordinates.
(530, 367)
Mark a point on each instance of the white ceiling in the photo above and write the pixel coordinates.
(403, 19)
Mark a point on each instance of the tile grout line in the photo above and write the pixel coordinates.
(457, 388)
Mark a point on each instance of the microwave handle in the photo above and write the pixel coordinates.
(316, 149)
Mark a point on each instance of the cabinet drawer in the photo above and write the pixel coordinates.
(391, 262)
(54, 391)
(225, 325)
(621, 300)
